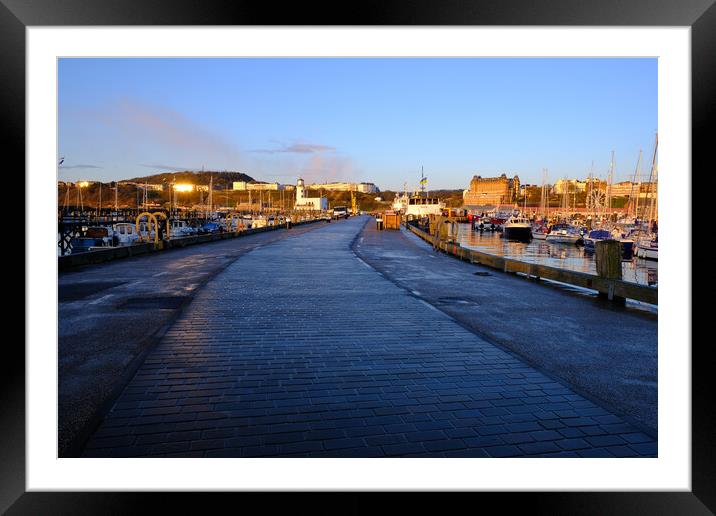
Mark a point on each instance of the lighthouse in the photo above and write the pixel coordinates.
(300, 191)
(303, 202)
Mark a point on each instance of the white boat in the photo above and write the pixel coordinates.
(563, 234)
(125, 233)
(259, 222)
(518, 227)
(647, 247)
(180, 228)
(540, 232)
(418, 206)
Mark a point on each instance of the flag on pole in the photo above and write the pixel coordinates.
(424, 181)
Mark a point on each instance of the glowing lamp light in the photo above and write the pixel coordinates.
(83, 184)
(184, 188)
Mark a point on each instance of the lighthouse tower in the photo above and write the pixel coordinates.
(300, 191)
(304, 202)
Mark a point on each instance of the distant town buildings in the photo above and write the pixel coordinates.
(624, 189)
(243, 186)
(563, 186)
(629, 188)
(144, 186)
(345, 187)
(491, 190)
(525, 188)
(303, 202)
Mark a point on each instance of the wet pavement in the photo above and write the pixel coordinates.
(301, 349)
(604, 351)
(111, 314)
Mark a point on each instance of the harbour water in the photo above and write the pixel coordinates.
(564, 256)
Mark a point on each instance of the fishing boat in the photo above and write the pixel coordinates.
(124, 233)
(92, 238)
(563, 234)
(518, 227)
(482, 223)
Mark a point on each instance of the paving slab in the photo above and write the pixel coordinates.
(300, 348)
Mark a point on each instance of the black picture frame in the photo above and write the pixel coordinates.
(700, 15)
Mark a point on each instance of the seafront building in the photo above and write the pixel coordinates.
(345, 187)
(491, 190)
(563, 186)
(244, 186)
(153, 187)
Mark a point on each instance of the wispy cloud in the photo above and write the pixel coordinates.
(79, 166)
(328, 168)
(298, 148)
(144, 129)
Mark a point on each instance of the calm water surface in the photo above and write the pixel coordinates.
(564, 256)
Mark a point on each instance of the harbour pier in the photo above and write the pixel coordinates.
(337, 340)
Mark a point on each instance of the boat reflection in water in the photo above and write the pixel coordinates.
(570, 257)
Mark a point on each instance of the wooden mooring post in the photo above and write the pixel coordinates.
(608, 258)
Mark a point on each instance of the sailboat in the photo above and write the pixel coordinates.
(540, 231)
(564, 233)
(647, 245)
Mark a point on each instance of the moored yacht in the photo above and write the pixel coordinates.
(518, 227)
(540, 232)
(647, 247)
(563, 234)
(591, 239)
(626, 244)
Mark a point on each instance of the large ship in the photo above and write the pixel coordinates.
(418, 204)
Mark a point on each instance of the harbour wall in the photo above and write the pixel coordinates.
(612, 289)
(113, 253)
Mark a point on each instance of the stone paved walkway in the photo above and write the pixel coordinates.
(605, 352)
(109, 314)
(300, 349)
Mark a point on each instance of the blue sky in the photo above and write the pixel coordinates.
(374, 120)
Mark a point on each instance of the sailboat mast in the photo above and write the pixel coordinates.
(652, 180)
(610, 178)
(635, 184)
(211, 194)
